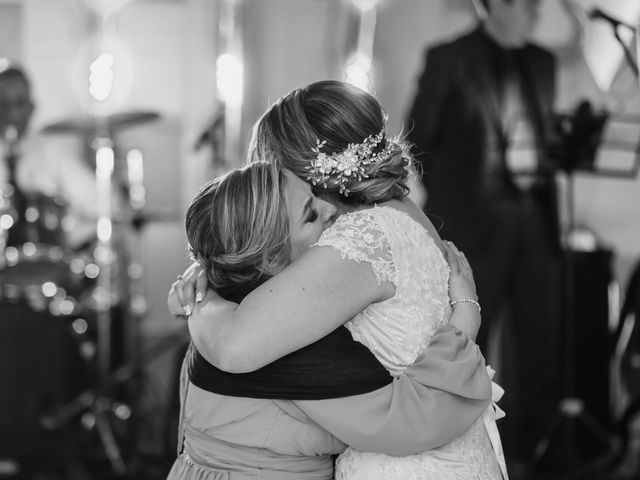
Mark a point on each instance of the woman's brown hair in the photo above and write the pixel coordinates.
(238, 228)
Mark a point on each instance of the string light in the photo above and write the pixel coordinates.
(135, 173)
(358, 71)
(230, 79)
(359, 66)
(101, 76)
(364, 5)
(104, 169)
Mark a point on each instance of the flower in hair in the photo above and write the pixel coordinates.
(348, 165)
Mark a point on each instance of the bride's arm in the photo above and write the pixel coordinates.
(466, 314)
(303, 303)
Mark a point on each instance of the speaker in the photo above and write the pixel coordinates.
(591, 342)
(579, 434)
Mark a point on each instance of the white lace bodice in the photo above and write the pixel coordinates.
(398, 330)
(402, 252)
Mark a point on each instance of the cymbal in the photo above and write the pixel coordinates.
(90, 124)
(143, 217)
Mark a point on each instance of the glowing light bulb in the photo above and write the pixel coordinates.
(104, 162)
(358, 71)
(101, 76)
(365, 5)
(230, 79)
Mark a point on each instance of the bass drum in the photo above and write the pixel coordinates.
(41, 369)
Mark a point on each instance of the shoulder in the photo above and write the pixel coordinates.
(360, 227)
(358, 218)
(451, 51)
(369, 219)
(458, 43)
(362, 236)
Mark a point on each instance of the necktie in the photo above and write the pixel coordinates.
(520, 153)
(510, 96)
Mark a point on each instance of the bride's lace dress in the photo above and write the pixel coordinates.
(397, 330)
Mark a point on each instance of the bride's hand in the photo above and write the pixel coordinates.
(465, 314)
(189, 289)
(461, 281)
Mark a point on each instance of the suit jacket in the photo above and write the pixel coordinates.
(456, 112)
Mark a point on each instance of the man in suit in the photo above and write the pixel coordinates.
(480, 121)
(46, 172)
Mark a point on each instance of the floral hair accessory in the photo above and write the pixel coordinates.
(347, 165)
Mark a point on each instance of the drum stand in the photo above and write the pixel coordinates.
(114, 271)
(571, 410)
(96, 400)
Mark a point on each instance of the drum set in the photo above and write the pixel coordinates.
(54, 361)
(41, 272)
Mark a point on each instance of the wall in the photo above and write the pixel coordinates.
(10, 41)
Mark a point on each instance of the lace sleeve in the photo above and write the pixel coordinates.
(358, 237)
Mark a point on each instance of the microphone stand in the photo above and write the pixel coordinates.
(98, 399)
(614, 23)
(623, 423)
(627, 52)
(572, 411)
(574, 148)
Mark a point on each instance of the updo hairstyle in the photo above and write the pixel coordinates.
(340, 114)
(238, 229)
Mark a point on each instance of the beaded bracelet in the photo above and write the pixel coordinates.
(466, 300)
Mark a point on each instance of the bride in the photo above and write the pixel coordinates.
(380, 268)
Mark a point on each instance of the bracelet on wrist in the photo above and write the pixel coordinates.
(466, 300)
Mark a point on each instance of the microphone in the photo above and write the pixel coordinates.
(597, 14)
(209, 134)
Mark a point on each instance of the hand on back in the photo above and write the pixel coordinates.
(189, 289)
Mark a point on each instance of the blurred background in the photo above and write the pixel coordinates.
(157, 97)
